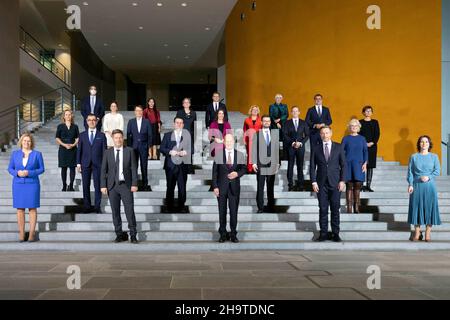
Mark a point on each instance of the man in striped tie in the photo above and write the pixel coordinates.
(327, 176)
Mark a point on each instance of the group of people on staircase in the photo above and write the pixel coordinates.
(334, 167)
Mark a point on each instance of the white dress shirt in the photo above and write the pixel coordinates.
(121, 176)
(319, 110)
(139, 124)
(92, 102)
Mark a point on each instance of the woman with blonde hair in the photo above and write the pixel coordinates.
(252, 125)
(356, 157)
(25, 166)
(67, 135)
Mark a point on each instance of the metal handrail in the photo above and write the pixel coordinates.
(447, 144)
(37, 51)
(36, 112)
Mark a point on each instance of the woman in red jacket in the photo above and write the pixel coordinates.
(251, 125)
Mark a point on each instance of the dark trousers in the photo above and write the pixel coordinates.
(329, 197)
(226, 197)
(176, 177)
(296, 157)
(314, 138)
(86, 174)
(116, 194)
(261, 181)
(142, 158)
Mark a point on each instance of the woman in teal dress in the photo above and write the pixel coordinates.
(423, 168)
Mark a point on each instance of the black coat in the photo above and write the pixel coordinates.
(220, 174)
(108, 177)
(332, 171)
(139, 140)
(291, 135)
(211, 115)
(168, 144)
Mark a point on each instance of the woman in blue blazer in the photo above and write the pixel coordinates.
(25, 166)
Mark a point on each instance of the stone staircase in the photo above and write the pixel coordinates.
(382, 226)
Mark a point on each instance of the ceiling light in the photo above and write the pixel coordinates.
(159, 4)
(105, 44)
(166, 45)
(85, 3)
(168, 57)
(184, 4)
(141, 28)
(207, 28)
(134, 4)
(187, 57)
(186, 45)
(59, 45)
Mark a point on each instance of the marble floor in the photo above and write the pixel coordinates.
(271, 275)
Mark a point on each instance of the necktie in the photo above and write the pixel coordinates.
(267, 138)
(118, 166)
(215, 106)
(177, 138)
(91, 137)
(229, 161)
(296, 125)
(327, 152)
(320, 112)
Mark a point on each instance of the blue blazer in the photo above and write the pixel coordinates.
(99, 109)
(35, 167)
(136, 139)
(88, 154)
(312, 118)
(332, 171)
(168, 145)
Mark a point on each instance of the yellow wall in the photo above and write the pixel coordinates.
(301, 47)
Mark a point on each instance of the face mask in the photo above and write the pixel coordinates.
(93, 92)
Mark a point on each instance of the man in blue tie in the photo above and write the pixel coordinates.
(91, 147)
(317, 117)
(92, 105)
(266, 163)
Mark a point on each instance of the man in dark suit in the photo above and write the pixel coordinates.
(229, 166)
(139, 137)
(327, 177)
(119, 181)
(317, 118)
(91, 146)
(211, 110)
(176, 147)
(296, 134)
(92, 105)
(266, 162)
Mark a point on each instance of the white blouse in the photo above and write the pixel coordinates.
(112, 122)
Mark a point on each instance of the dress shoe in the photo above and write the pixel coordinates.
(234, 239)
(336, 238)
(87, 210)
(270, 209)
(98, 210)
(222, 238)
(134, 240)
(260, 211)
(118, 239)
(64, 189)
(323, 237)
(70, 189)
(184, 209)
(291, 188)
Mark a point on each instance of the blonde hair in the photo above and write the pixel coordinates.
(254, 107)
(278, 95)
(354, 122)
(64, 114)
(27, 134)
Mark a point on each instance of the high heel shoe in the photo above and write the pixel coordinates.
(414, 239)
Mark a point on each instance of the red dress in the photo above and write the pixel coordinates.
(253, 127)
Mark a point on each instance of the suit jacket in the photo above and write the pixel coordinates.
(99, 109)
(35, 167)
(220, 174)
(272, 151)
(168, 144)
(278, 112)
(210, 115)
(332, 171)
(312, 118)
(136, 139)
(109, 174)
(291, 135)
(88, 154)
